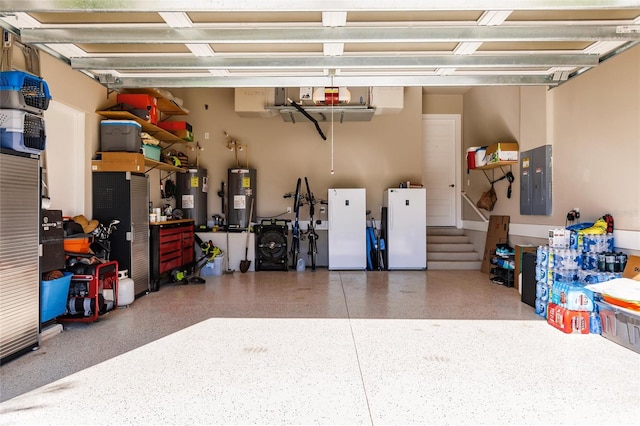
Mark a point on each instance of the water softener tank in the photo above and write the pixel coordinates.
(241, 190)
(191, 195)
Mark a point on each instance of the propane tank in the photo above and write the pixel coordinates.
(125, 289)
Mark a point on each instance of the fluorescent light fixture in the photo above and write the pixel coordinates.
(68, 50)
(200, 49)
(494, 17)
(176, 19)
(467, 47)
(334, 19)
(333, 49)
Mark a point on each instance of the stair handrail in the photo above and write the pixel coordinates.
(472, 204)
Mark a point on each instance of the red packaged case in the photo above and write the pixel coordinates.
(141, 101)
(568, 321)
(172, 126)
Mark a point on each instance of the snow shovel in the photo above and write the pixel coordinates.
(244, 264)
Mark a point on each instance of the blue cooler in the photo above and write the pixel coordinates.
(120, 135)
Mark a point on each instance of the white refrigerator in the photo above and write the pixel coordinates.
(405, 228)
(347, 228)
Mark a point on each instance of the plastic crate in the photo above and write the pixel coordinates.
(172, 126)
(151, 151)
(141, 102)
(53, 297)
(120, 135)
(22, 131)
(20, 90)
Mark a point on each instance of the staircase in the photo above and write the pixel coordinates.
(449, 248)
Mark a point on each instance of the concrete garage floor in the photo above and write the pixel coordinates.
(324, 347)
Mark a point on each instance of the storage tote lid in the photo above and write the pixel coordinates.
(120, 123)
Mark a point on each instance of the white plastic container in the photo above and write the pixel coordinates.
(481, 156)
(126, 293)
(300, 266)
(213, 268)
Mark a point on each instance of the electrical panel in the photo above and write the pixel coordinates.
(535, 181)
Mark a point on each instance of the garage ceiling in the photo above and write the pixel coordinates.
(271, 43)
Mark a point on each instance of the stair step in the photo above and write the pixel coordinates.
(449, 247)
(448, 265)
(452, 256)
(447, 239)
(444, 231)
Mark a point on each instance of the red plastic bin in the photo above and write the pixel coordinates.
(141, 101)
(172, 126)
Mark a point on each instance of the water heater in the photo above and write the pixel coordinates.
(191, 195)
(241, 191)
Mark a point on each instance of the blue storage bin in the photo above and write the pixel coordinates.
(22, 131)
(24, 91)
(213, 268)
(53, 297)
(151, 151)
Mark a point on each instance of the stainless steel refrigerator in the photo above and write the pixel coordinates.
(347, 233)
(405, 228)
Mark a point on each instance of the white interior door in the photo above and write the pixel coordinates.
(64, 158)
(440, 168)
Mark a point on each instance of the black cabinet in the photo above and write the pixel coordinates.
(529, 279)
(124, 196)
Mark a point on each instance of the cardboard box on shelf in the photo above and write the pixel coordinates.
(184, 134)
(119, 162)
(502, 151)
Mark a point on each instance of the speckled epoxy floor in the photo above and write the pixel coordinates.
(324, 347)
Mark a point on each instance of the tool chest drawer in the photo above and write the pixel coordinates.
(171, 247)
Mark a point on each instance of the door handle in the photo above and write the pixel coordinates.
(452, 185)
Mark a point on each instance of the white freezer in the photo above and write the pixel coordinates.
(347, 228)
(405, 228)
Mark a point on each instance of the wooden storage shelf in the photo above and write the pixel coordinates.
(153, 164)
(496, 164)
